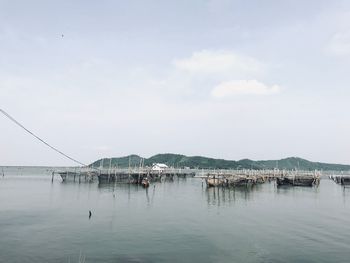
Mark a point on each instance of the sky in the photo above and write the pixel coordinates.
(218, 78)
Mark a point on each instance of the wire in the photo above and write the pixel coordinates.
(37, 137)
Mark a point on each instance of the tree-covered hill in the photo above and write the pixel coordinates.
(180, 161)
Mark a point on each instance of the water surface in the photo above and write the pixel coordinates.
(179, 221)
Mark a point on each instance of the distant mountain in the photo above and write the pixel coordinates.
(178, 160)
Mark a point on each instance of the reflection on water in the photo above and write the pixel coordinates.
(346, 193)
(287, 190)
(221, 195)
(120, 188)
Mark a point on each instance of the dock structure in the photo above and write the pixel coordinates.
(123, 175)
(213, 178)
(136, 176)
(233, 178)
(342, 179)
(77, 175)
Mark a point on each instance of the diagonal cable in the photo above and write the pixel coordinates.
(37, 137)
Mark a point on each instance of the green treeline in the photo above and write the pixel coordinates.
(199, 162)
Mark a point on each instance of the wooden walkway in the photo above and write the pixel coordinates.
(216, 178)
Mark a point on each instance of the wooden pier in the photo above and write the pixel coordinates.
(136, 176)
(213, 178)
(233, 178)
(133, 176)
(77, 175)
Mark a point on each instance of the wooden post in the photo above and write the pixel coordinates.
(129, 169)
(138, 180)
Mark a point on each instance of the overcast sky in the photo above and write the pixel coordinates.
(224, 79)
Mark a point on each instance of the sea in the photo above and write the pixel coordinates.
(45, 220)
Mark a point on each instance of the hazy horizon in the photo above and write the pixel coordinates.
(262, 80)
(108, 157)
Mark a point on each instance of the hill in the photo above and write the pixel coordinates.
(178, 160)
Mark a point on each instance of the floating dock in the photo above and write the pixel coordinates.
(252, 177)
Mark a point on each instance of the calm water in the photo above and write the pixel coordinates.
(178, 221)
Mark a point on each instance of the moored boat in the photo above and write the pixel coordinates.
(296, 180)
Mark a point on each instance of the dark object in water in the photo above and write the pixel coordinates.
(233, 181)
(145, 183)
(345, 180)
(341, 179)
(90, 214)
(296, 180)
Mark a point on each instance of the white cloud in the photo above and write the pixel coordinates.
(243, 87)
(212, 62)
(340, 43)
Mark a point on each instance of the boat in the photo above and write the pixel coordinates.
(296, 180)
